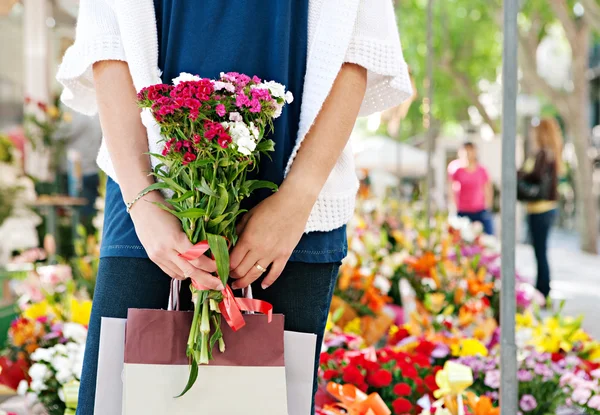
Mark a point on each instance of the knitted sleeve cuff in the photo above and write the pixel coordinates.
(75, 72)
(388, 81)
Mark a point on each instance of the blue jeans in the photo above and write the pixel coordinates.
(484, 217)
(539, 230)
(302, 293)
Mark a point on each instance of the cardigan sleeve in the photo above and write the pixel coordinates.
(375, 45)
(97, 38)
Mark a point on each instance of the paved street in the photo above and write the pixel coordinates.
(575, 277)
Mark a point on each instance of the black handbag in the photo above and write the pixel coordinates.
(532, 192)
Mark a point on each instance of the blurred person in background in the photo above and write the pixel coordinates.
(83, 136)
(471, 191)
(543, 169)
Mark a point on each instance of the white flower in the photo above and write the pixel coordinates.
(254, 130)
(289, 97)
(61, 394)
(224, 85)
(278, 110)
(38, 372)
(65, 376)
(38, 386)
(276, 89)
(23, 387)
(75, 332)
(61, 349)
(382, 283)
(241, 136)
(62, 363)
(183, 77)
(235, 117)
(42, 354)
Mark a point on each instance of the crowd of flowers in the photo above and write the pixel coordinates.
(416, 309)
(43, 357)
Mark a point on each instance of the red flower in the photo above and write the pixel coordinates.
(224, 140)
(425, 348)
(401, 405)
(188, 158)
(409, 371)
(330, 374)
(380, 379)
(42, 106)
(363, 387)
(422, 360)
(402, 389)
(197, 138)
(338, 354)
(447, 324)
(431, 383)
(420, 386)
(324, 358)
(353, 375)
(177, 146)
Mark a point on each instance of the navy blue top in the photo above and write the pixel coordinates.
(234, 36)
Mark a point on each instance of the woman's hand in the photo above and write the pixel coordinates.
(268, 235)
(161, 235)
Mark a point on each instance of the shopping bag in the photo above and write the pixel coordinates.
(109, 386)
(248, 378)
(299, 371)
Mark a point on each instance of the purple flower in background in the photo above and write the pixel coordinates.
(581, 395)
(524, 375)
(527, 403)
(440, 351)
(493, 395)
(492, 379)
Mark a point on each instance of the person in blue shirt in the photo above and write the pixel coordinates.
(139, 251)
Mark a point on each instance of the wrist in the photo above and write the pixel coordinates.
(304, 193)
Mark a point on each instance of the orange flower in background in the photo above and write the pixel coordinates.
(476, 283)
(373, 299)
(424, 264)
(481, 405)
(459, 296)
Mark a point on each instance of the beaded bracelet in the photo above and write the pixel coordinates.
(137, 198)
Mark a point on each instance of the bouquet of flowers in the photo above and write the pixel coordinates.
(214, 135)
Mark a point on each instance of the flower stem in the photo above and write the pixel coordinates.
(205, 320)
(194, 328)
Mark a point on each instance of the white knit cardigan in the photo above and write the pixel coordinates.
(357, 31)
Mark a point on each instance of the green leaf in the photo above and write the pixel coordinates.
(192, 378)
(222, 202)
(205, 188)
(186, 177)
(172, 184)
(224, 162)
(229, 222)
(266, 145)
(214, 222)
(253, 185)
(155, 186)
(200, 163)
(218, 247)
(193, 213)
(181, 198)
(158, 157)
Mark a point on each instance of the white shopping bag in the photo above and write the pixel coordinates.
(299, 371)
(109, 384)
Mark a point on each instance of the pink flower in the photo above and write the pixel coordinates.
(212, 130)
(224, 140)
(581, 395)
(188, 158)
(241, 100)
(197, 139)
(220, 109)
(492, 379)
(255, 105)
(235, 117)
(262, 94)
(256, 79)
(594, 402)
(528, 403)
(595, 374)
(177, 146)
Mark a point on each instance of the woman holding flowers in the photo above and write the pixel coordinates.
(338, 58)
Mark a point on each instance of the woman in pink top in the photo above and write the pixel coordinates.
(471, 190)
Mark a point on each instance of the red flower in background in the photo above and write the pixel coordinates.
(330, 374)
(324, 358)
(224, 140)
(425, 347)
(338, 354)
(353, 375)
(431, 383)
(402, 389)
(380, 379)
(401, 406)
(409, 371)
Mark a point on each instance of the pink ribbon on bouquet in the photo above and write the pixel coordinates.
(231, 307)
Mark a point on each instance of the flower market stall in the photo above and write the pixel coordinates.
(415, 326)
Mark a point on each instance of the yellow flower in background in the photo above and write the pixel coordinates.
(37, 310)
(353, 327)
(80, 311)
(329, 324)
(525, 319)
(595, 355)
(469, 347)
(52, 111)
(435, 302)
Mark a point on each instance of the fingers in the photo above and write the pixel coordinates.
(197, 275)
(252, 275)
(171, 270)
(242, 223)
(275, 271)
(237, 255)
(205, 264)
(247, 264)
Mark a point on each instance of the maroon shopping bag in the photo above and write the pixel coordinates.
(248, 378)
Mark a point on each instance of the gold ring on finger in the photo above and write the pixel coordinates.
(260, 268)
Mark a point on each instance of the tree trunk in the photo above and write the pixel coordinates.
(578, 126)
